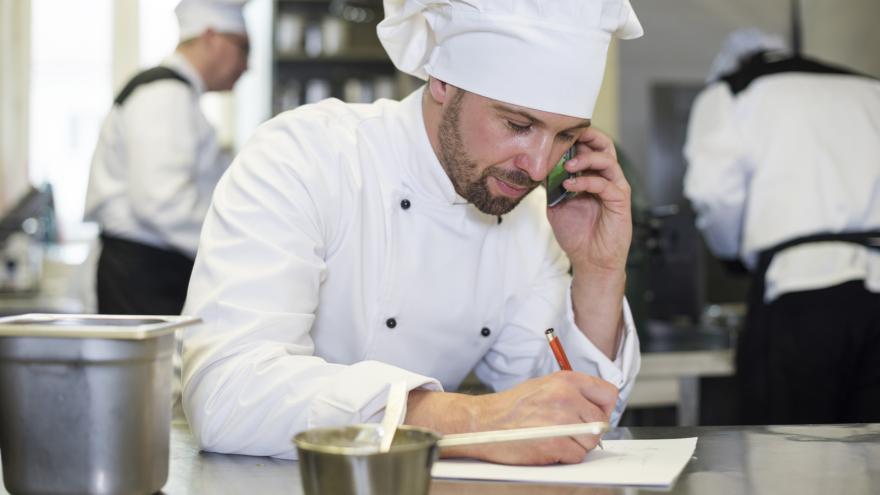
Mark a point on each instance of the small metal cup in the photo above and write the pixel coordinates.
(345, 461)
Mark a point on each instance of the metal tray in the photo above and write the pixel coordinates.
(130, 327)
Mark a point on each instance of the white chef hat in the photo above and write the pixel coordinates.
(740, 44)
(224, 16)
(542, 54)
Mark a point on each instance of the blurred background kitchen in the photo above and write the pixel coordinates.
(62, 63)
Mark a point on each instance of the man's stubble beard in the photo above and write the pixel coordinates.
(461, 169)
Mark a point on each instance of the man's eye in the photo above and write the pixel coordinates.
(564, 136)
(517, 128)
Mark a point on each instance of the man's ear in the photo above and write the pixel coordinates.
(440, 91)
(208, 35)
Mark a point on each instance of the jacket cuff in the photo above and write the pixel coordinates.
(359, 392)
(586, 357)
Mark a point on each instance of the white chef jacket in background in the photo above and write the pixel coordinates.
(156, 164)
(794, 153)
(337, 258)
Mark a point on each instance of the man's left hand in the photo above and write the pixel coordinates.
(594, 228)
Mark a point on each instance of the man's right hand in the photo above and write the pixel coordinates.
(561, 398)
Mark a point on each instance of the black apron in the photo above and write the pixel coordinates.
(136, 278)
(809, 357)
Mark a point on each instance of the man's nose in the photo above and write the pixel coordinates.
(536, 158)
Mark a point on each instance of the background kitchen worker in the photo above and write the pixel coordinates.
(353, 246)
(157, 161)
(784, 174)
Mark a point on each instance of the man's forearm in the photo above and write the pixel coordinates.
(597, 298)
(443, 412)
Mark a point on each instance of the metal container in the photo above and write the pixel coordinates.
(85, 402)
(346, 461)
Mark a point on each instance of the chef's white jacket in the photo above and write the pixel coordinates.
(793, 154)
(337, 258)
(156, 164)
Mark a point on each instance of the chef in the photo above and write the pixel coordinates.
(784, 174)
(157, 161)
(353, 246)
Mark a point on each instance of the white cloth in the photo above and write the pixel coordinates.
(538, 54)
(223, 16)
(740, 44)
(156, 164)
(307, 253)
(791, 155)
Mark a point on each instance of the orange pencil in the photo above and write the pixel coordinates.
(558, 351)
(561, 358)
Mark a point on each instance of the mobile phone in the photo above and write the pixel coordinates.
(556, 192)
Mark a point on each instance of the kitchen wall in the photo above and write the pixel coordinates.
(14, 51)
(126, 42)
(607, 111)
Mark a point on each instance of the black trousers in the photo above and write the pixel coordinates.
(138, 279)
(812, 357)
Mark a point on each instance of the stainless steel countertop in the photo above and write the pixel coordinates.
(728, 460)
(814, 459)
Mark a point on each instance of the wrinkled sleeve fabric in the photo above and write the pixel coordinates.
(251, 379)
(587, 358)
(717, 175)
(522, 351)
(162, 148)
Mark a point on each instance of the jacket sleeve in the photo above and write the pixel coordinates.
(166, 141)
(522, 351)
(717, 175)
(251, 379)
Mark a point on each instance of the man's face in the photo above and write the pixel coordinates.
(232, 54)
(496, 153)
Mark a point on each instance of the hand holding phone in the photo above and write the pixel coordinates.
(556, 192)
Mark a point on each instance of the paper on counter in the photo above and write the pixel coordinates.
(623, 462)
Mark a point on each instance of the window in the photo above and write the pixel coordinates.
(158, 30)
(70, 94)
(71, 86)
(72, 83)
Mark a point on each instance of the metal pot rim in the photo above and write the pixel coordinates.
(82, 326)
(365, 450)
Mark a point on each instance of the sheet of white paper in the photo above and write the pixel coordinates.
(623, 462)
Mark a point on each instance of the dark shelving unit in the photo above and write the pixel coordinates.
(329, 48)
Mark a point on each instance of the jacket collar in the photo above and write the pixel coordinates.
(180, 64)
(423, 172)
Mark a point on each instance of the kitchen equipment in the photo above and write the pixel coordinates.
(335, 35)
(346, 460)
(85, 402)
(383, 87)
(21, 263)
(317, 90)
(289, 33)
(314, 39)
